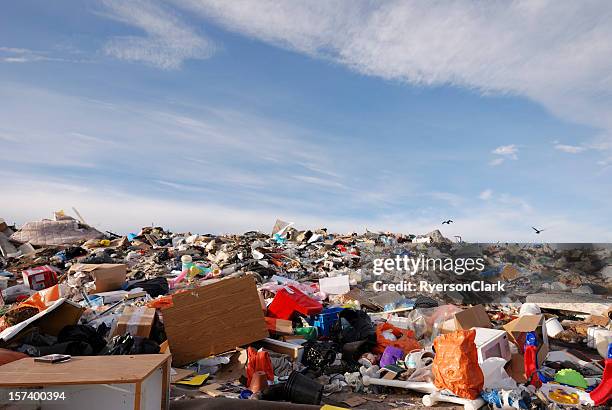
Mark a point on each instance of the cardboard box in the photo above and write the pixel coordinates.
(51, 321)
(214, 319)
(136, 321)
(279, 326)
(107, 276)
(518, 329)
(473, 317)
(39, 278)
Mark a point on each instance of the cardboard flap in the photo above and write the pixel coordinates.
(473, 317)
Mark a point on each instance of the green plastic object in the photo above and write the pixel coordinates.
(571, 377)
(309, 333)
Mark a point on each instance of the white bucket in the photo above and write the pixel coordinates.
(553, 327)
(529, 309)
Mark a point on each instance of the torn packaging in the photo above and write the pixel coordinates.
(214, 319)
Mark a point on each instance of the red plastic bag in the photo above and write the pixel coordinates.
(405, 339)
(455, 366)
(258, 361)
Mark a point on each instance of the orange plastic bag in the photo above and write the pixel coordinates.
(405, 339)
(40, 299)
(258, 361)
(455, 366)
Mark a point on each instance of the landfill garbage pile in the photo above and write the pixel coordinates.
(307, 316)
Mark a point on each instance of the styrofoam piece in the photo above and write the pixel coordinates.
(430, 400)
(337, 285)
(422, 387)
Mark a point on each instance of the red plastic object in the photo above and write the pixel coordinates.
(289, 300)
(603, 392)
(258, 361)
(531, 366)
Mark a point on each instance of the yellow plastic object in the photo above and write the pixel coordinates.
(329, 407)
(563, 397)
(105, 242)
(197, 380)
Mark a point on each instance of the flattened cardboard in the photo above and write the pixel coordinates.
(214, 319)
(136, 321)
(108, 276)
(473, 317)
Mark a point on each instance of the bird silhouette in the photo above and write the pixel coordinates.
(537, 231)
(447, 222)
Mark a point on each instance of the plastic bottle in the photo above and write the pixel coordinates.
(531, 359)
(187, 263)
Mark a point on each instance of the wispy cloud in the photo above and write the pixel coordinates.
(570, 149)
(504, 152)
(486, 194)
(168, 40)
(561, 58)
(23, 55)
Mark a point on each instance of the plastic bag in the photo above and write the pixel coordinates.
(455, 366)
(42, 298)
(404, 339)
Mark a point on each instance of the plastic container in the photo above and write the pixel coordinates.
(303, 390)
(529, 309)
(553, 327)
(325, 320)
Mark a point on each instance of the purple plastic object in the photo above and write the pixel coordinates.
(391, 355)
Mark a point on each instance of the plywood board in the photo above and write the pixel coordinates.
(214, 319)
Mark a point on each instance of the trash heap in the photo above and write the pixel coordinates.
(293, 316)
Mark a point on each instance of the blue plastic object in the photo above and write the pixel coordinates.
(610, 351)
(325, 320)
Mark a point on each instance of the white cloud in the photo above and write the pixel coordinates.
(23, 55)
(496, 161)
(486, 194)
(561, 57)
(168, 42)
(570, 149)
(508, 151)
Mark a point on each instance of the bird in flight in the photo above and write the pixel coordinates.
(537, 231)
(448, 222)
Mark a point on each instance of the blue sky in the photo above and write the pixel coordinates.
(221, 116)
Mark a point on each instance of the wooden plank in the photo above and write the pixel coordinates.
(214, 319)
(81, 370)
